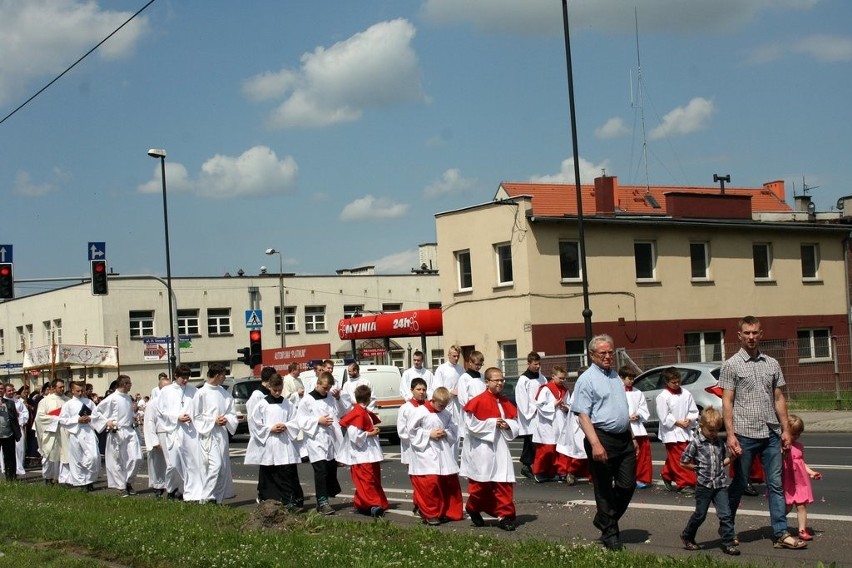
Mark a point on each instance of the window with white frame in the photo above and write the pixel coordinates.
(810, 261)
(141, 323)
(704, 346)
(463, 270)
(289, 319)
(814, 344)
(509, 356)
(2, 342)
(188, 323)
(57, 329)
(350, 310)
(20, 337)
(645, 258)
(575, 351)
(699, 260)
(218, 321)
(570, 268)
(28, 329)
(503, 257)
(46, 328)
(762, 255)
(392, 307)
(436, 359)
(314, 319)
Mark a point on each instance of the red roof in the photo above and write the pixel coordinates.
(557, 200)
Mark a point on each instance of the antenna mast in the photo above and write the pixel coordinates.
(640, 103)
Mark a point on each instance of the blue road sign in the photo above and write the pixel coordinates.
(11, 365)
(6, 253)
(254, 319)
(97, 251)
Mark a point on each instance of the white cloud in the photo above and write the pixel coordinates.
(538, 17)
(685, 120)
(40, 38)
(612, 128)
(372, 69)
(825, 48)
(25, 186)
(257, 171)
(588, 172)
(369, 207)
(396, 263)
(451, 182)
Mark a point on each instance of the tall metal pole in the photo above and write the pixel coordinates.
(280, 290)
(172, 355)
(587, 312)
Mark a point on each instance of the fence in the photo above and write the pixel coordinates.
(818, 373)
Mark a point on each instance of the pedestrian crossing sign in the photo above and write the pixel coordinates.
(254, 319)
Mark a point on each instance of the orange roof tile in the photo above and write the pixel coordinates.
(557, 200)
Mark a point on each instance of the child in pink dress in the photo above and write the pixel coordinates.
(796, 478)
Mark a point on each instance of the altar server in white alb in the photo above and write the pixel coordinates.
(417, 371)
(52, 439)
(178, 436)
(82, 421)
(214, 417)
(253, 449)
(447, 375)
(273, 423)
(123, 453)
(155, 456)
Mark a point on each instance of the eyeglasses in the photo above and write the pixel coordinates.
(604, 353)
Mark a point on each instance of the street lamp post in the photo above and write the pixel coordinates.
(271, 251)
(160, 154)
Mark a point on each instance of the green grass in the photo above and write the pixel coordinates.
(819, 401)
(151, 533)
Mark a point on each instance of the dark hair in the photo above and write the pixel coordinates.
(627, 371)
(183, 370)
(215, 369)
(275, 381)
(533, 356)
(265, 373)
(362, 394)
(418, 381)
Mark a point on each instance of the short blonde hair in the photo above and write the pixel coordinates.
(711, 419)
(441, 395)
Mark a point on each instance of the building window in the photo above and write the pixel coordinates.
(349, 310)
(314, 319)
(187, 323)
(762, 254)
(509, 357)
(396, 307)
(21, 341)
(704, 346)
(57, 328)
(289, 319)
(2, 342)
(437, 357)
(575, 351)
(463, 270)
(814, 344)
(47, 328)
(810, 262)
(503, 257)
(434, 305)
(645, 257)
(141, 324)
(52, 331)
(195, 370)
(28, 330)
(218, 321)
(699, 258)
(569, 261)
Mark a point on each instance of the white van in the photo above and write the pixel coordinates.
(385, 382)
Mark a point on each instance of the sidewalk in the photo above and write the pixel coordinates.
(826, 421)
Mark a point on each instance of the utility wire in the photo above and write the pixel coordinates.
(40, 91)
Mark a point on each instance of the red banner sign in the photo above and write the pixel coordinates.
(373, 352)
(280, 358)
(398, 324)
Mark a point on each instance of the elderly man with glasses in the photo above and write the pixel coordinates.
(601, 408)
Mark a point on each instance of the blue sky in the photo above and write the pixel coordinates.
(334, 130)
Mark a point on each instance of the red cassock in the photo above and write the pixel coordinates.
(547, 461)
(367, 477)
(495, 498)
(644, 467)
(673, 471)
(437, 496)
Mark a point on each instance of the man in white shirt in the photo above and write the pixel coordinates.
(526, 392)
(123, 452)
(178, 436)
(418, 371)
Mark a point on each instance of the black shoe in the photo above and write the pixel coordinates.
(690, 544)
(731, 550)
(613, 544)
(476, 518)
(527, 472)
(669, 485)
(541, 478)
(158, 493)
(129, 489)
(750, 490)
(376, 511)
(506, 524)
(432, 522)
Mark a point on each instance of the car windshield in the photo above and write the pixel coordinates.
(244, 390)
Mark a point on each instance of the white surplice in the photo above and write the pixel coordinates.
(210, 403)
(84, 456)
(123, 453)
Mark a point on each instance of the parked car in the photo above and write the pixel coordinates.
(700, 379)
(240, 389)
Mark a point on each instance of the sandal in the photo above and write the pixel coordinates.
(804, 535)
(786, 540)
(689, 544)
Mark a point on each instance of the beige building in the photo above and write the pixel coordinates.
(666, 268)
(211, 320)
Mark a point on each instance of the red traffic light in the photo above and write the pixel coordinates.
(254, 335)
(98, 266)
(5, 270)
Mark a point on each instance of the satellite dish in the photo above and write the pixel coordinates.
(840, 203)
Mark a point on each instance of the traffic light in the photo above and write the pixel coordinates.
(245, 356)
(100, 286)
(7, 281)
(256, 348)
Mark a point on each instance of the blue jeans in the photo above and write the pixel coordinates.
(719, 497)
(769, 450)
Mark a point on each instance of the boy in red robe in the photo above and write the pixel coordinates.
(363, 454)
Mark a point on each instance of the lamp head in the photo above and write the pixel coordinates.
(271, 251)
(157, 153)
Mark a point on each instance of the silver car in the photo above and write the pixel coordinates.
(700, 379)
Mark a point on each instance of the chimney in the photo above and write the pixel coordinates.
(803, 202)
(777, 189)
(605, 194)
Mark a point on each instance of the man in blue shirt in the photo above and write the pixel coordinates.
(601, 408)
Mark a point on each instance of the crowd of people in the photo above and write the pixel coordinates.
(596, 432)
